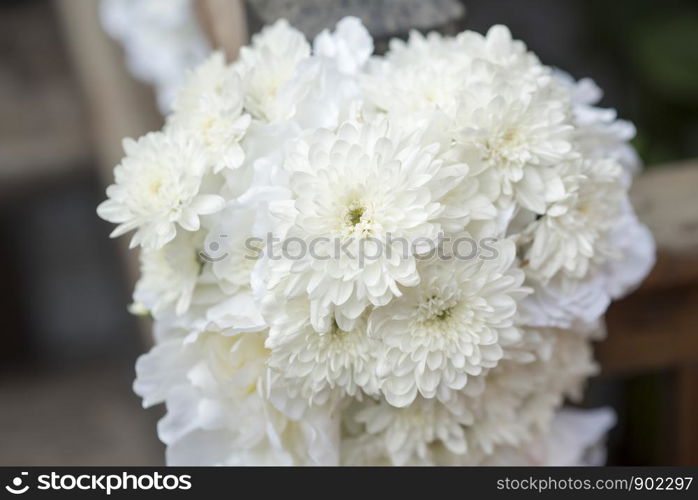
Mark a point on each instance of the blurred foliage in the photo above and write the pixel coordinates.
(654, 47)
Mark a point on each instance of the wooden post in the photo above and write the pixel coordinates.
(656, 328)
(225, 24)
(118, 106)
(687, 415)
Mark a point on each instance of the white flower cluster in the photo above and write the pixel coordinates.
(302, 219)
(160, 39)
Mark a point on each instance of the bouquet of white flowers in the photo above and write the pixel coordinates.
(376, 260)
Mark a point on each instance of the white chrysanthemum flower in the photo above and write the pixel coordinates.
(513, 131)
(418, 49)
(402, 82)
(469, 201)
(598, 133)
(572, 234)
(324, 89)
(579, 303)
(452, 326)
(350, 45)
(516, 401)
(169, 275)
(520, 399)
(218, 412)
(498, 48)
(563, 302)
(157, 187)
(517, 137)
(635, 251)
(224, 297)
(364, 201)
(319, 366)
(268, 64)
(233, 246)
(408, 89)
(210, 106)
(406, 436)
(575, 438)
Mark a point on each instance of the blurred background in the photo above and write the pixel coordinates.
(68, 345)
